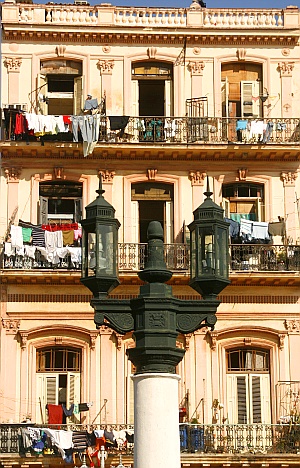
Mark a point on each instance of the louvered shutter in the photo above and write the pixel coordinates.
(168, 98)
(242, 399)
(258, 210)
(265, 399)
(78, 95)
(226, 207)
(231, 399)
(73, 392)
(168, 234)
(51, 389)
(224, 94)
(256, 399)
(250, 97)
(43, 210)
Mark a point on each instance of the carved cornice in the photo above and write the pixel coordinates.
(292, 326)
(106, 66)
(288, 178)
(196, 68)
(13, 64)
(197, 177)
(11, 326)
(12, 174)
(286, 68)
(107, 176)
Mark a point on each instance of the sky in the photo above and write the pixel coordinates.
(186, 3)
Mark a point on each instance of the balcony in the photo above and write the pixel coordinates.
(260, 258)
(171, 131)
(228, 439)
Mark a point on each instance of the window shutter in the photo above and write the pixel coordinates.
(78, 95)
(168, 234)
(258, 210)
(250, 97)
(135, 98)
(242, 399)
(52, 389)
(78, 210)
(265, 399)
(226, 207)
(43, 210)
(224, 94)
(232, 399)
(41, 397)
(256, 399)
(42, 91)
(168, 98)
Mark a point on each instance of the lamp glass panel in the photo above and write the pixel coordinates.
(206, 251)
(221, 252)
(91, 254)
(193, 254)
(106, 250)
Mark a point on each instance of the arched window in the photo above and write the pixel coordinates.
(58, 377)
(248, 386)
(243, 200)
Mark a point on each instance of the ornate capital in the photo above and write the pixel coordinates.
(60, 50)
(11, 326)
(106, 66)
(12, 173)
(119, 339)
(196, 68)
(286, 68)
(197, 177)
(213, 340)
(187, 337)
(107, 176)
(242, 173)
(58, 172)
(288, 178)
(151, 174)
(93, 337)
(292, 326)
(13, 64)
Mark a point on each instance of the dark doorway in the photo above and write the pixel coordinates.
(150, 210)
(152, 98)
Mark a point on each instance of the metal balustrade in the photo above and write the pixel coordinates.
(255, 439)
(186, 130)
(132, 256)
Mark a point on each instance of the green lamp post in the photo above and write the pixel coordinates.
(155, 317)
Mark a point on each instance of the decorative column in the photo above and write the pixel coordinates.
(106, 68)
(286, 69)
(197, 180)
(13, 65)
(288, 179)
(12, 175)
(196, 69)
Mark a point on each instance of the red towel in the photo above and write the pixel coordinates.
(55, 414)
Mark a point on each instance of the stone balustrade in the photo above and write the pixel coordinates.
(107, 14)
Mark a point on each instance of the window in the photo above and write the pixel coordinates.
(60, 87)
(153, 202)
(243, 200)
(60, 202)
(248, 386)
(58, 378)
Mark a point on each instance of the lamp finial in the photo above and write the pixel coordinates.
(208, 193)
(100, 190)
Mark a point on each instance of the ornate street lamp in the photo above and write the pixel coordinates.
(155, 317)
(209, 255)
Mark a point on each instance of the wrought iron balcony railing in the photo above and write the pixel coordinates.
(232, 439)
(181, 130)
(131, 257)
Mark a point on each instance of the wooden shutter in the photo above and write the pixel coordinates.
(231, 399)
(78, 95)
(258, 210)
(40, 417)
(242, 399)
(73, 393)
(168, 98)
(255, 399)
(78, 210)
(226, 207)
(265, 393)
(51, 389)
(42, 90)
(43, 218)
(168, 234)
(250, 99)
(224, 94)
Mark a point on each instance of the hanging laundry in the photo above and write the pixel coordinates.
(55, 414)
(118, 122)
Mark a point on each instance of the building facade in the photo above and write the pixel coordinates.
(179, 96)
